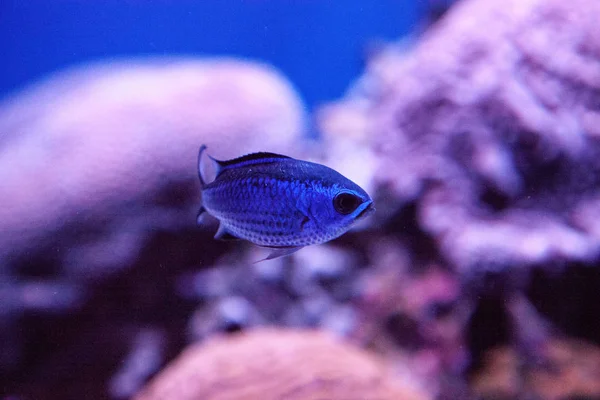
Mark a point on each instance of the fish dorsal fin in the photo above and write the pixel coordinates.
(247, 160)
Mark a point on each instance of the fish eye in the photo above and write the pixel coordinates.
(345, 203)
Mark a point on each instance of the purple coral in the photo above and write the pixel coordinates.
(487, 125)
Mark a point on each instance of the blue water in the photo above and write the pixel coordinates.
(320, 45)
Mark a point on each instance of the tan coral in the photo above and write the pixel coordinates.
(277, 364)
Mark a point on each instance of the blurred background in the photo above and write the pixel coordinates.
(473, 125)
(319, 46)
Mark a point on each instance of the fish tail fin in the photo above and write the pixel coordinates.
(200, 171)
(218, 165)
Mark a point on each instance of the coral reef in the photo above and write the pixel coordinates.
(277, 364)
(480, 144)
(490, 126)
(98, 162)
(98, 158)
(314, 288)
(572, 371)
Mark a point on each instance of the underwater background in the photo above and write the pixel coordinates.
(319, 46)
(474, 126)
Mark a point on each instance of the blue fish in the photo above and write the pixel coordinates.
(279, 202)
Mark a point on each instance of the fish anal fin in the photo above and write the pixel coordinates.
(223, 234)
(277, 252)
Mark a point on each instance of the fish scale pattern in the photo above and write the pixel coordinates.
(265, 222)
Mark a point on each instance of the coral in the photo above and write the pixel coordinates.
(480, 143)
(270, 364)
(413, 318)
(96, 159)
(315, 287)
(97, 164)
(143, 359)
(571, 371)
(490, 126)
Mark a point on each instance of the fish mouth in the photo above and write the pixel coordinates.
(367, 208)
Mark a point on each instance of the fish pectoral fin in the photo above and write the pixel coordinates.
(223, 234)
(305, 219)
(201, 217)
(277, 252)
